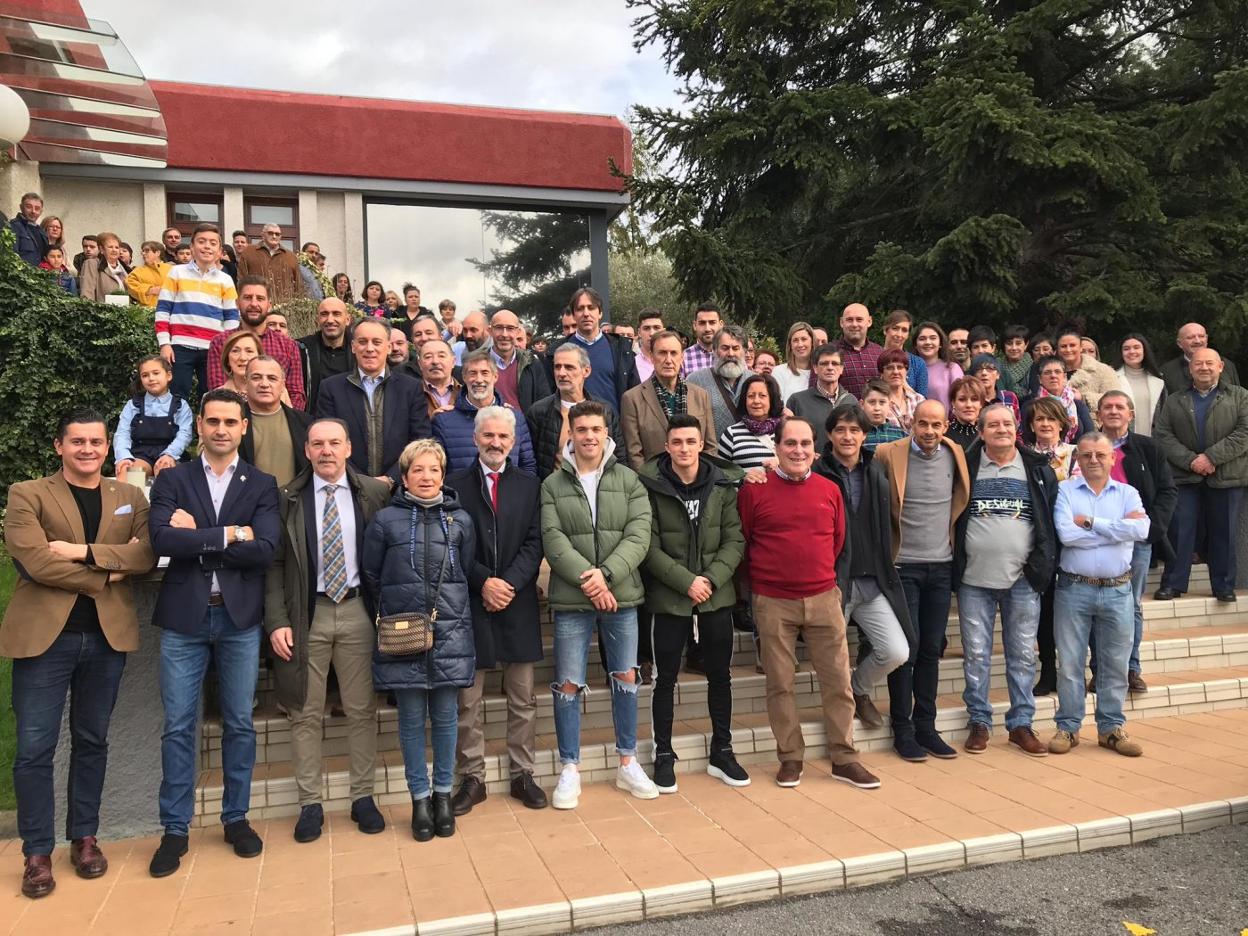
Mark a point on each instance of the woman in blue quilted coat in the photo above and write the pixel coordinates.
(424, 537)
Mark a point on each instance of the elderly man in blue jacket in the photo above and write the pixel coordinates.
(453, 428)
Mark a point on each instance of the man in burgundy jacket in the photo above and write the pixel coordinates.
(797, 513)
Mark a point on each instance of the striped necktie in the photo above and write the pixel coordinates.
(333, 558)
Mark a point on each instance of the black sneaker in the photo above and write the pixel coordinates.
(366, 815)
(934, 744)
(243, 837)
(723, 766)
(665, 772)
(909, 750)
(311, 821)
(168, 857)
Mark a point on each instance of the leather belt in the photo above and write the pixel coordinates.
(350, 593)
(1099, 582)
(215, 601)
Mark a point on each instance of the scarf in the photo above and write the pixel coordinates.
(760, 427)
(1067, 399)
(673, 403)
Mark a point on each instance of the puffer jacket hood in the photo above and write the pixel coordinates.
(405, 547)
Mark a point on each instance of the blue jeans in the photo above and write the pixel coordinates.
(573, 630)
(1082, 610)
(912, 686)
(1218, 509)
(188, 364)
(183, 662)
(85, 667)
(1140, 558)
(441, 708)
(1020, 618)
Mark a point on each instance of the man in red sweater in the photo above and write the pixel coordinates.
(794, 528)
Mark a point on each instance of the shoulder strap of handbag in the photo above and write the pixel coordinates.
(446, 522)
(728, 400)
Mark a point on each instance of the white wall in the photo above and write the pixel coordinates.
(89, 207)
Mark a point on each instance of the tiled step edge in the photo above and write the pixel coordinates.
(275, 797)
(835, 874)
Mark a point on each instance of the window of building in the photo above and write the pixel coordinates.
(184, 211)
(284, 212)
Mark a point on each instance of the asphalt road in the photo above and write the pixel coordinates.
(1183, 885)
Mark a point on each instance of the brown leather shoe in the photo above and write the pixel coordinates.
(866, 712)
(977, 740)
(855, 775)
(471, 793)
(790, 773)
(1135, 682)
(37, 880)
(1028, 742)
(86, 857)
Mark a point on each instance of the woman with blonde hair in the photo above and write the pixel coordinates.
(794, 374)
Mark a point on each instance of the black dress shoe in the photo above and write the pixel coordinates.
(311, 821)
(366, 815)
(1166, 594)
(1046, 685)
(443, 815)
(1227, 597)
(168, 857)
(243, 837)
(526, 790)
(422, 819)
(471, 793)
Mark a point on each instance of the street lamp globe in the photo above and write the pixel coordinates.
(14, 117)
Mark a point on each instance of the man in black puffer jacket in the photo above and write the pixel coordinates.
(548, 418)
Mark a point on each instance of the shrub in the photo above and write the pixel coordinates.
(57, 352)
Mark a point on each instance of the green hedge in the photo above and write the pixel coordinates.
(57, 352)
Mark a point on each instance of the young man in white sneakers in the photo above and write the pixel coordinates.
(596, 532)
(694, 551)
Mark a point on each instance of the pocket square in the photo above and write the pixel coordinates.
(123, 509)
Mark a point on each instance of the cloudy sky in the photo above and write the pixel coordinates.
(544, 54)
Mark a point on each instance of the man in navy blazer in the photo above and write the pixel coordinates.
(383, 410)
(217, 520)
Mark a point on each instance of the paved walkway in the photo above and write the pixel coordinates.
(617, 859)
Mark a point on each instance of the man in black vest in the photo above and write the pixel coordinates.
(505, 505)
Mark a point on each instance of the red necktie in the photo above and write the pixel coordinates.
(493, 476)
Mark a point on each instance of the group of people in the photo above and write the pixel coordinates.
(371, 480)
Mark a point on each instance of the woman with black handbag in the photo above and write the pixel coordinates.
(413, 566)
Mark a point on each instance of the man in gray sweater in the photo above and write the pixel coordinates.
(929, 487)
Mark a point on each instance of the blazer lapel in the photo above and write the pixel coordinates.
(234, 491)
(200, 486)
(69, 507)
(110, 500)
(307, 504)
(652, 401)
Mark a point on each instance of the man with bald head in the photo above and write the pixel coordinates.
(1203, 432)
(859, 355)
(521, 378)
(474, 334)
(1177, 373)
(326, 350)
(929, 487)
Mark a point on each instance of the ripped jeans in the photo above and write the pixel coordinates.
(1020, 619)
(573, 631)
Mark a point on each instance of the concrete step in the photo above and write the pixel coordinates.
(274, 793)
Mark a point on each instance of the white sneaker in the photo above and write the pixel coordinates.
(632, 779)
(568, 790)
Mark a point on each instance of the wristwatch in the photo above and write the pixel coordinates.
(1087, 523)
(240, 535)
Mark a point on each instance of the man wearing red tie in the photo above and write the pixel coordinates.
(505, 506)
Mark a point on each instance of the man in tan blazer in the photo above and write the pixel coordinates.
(75, 538)
(644, 416)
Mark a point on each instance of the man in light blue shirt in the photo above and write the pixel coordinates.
(1099, 521)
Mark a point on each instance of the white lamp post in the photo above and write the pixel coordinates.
(14, 117)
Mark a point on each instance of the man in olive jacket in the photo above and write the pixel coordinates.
(596, 531)
(1203, 432)
(696, 545)
(315, 614)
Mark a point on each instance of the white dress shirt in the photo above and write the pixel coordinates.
(217, 486)
(346, 519)
(486, 470)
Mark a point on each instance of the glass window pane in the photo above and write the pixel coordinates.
(196, 212)
(283, 215)
(529, 262)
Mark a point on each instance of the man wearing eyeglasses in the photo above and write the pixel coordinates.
(521, 380)
(275, 263)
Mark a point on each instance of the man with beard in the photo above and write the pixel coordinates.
(453, 428)
(474, 334)
(706, 325)
(722, 380)
(254, 306)
(548, 417)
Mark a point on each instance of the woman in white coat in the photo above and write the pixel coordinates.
(1141, 379)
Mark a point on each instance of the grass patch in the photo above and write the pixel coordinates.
(8, 726)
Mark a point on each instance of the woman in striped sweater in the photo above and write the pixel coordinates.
(750, 442)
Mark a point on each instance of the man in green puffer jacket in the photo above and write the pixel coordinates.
(696, 545)
(595, 531)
